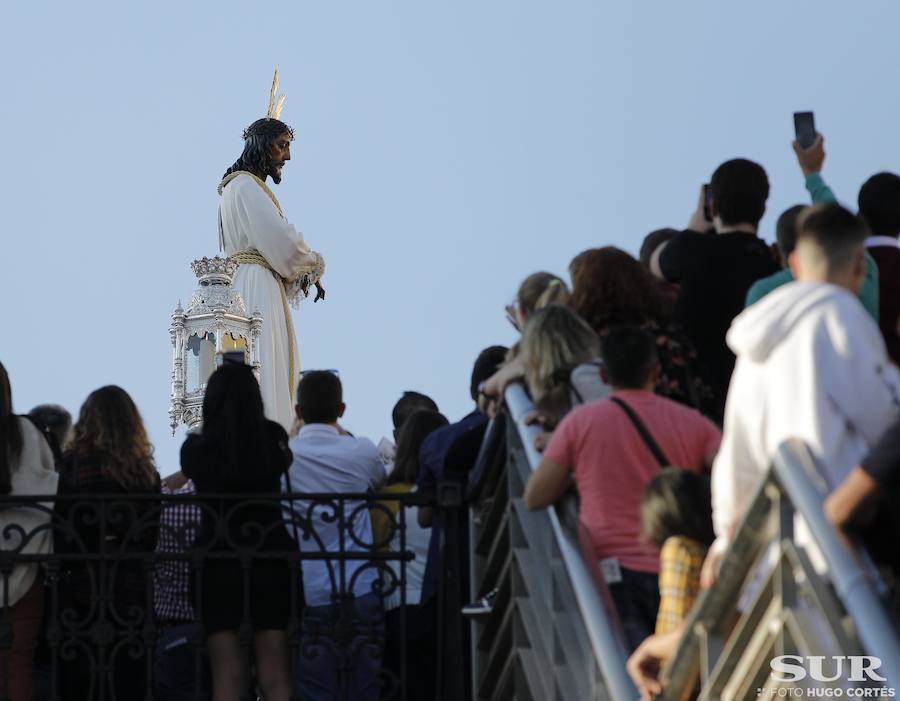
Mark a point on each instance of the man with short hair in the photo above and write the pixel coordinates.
(409, 404)
(811, 364)
(341, 595)
(602, 445)
(786, 239)
(715, 272)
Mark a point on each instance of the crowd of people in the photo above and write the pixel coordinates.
(663, 386)
(218, 556)
(713, 350)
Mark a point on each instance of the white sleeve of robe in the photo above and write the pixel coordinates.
(256, 217)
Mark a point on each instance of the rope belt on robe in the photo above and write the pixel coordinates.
(252, 256)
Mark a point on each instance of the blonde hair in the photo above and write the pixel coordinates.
(539, 290)
(555, 339)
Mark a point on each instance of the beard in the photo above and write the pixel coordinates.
(275, 172)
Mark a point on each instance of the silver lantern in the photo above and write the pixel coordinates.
(215, 323)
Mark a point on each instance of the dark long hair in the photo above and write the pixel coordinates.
(10, 434)
(413, 433)
(612, 288)
(677, 502)
(258, 139)
(233, 419)
(110, 429)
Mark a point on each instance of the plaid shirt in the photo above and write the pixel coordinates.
(680, 560)
(178, 528)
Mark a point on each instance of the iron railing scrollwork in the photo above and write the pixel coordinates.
(115, 556)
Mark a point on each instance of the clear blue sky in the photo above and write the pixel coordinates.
(444, 151)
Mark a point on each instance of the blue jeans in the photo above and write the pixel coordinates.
(637, 601)
(175, 673)
(341, 651)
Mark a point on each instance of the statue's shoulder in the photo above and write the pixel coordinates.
(236, 184)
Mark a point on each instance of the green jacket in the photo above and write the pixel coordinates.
(868, 295)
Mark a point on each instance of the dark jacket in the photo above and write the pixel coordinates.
(109, 539)
(251, 523)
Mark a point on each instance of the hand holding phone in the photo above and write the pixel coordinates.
(701, 218)
(809, 145)
(805, 129)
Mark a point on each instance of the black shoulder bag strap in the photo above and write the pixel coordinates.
(644, 433)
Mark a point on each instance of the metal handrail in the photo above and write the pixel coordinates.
(795, 475)
(608, 652)
(851, 574)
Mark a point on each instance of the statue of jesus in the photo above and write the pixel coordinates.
(277, 267)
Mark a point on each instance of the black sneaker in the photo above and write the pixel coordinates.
(482, 607)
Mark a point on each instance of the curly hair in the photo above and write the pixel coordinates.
(258, 139)
(612, 288)
(110, 429)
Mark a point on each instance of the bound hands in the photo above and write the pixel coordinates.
(320, 290)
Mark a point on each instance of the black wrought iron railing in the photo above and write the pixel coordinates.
(112, 597)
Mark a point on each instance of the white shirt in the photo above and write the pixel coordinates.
(326, 461)
(33, 473)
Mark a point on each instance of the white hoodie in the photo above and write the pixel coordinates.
(811, 364)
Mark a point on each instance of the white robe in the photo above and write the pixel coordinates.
(249, 219)
(811, 364)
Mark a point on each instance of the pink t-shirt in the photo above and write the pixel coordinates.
(612, 465)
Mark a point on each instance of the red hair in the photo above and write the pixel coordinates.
(612, 288)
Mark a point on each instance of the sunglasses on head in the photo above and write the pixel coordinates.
(331, 370)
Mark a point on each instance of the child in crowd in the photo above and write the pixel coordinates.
(676, 517)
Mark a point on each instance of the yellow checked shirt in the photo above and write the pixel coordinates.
(680, 560)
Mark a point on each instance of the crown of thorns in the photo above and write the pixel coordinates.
(259, 128)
